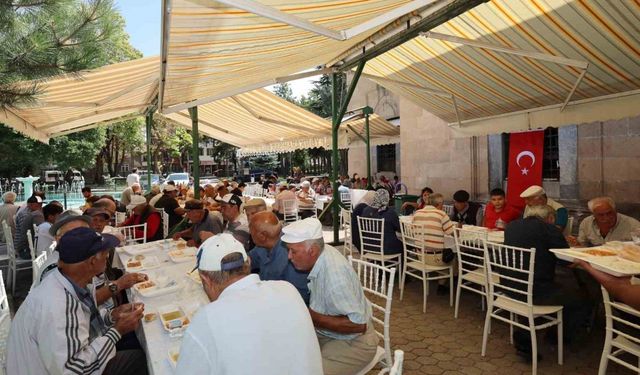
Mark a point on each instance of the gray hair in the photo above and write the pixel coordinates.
(600, 200)
(436, 199)
(9, 197)
(542, 212)
(221, 277)
(317, 241)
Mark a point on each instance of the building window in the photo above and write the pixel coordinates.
(386, 155)
(550, 155)
(201, 151)
(210, 152)
(124, 167)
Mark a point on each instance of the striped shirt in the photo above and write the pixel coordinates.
(336, 290)
(436, 225)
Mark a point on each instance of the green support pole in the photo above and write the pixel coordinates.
(149, 121)
(367, 111)
(193, 112)
(336, 118)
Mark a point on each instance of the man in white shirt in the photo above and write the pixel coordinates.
(45, 239)
(271, 332)
(235, 221)
(133, 177)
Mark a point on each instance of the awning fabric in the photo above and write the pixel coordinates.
(381, 131)
(498, 92)
(213, 50)
(76, 102)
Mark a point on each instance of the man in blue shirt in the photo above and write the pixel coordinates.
(270, 257)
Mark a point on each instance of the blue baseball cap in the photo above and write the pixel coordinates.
(80, 244)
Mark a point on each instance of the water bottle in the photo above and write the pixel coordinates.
(499, 224)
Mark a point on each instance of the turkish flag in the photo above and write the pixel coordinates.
(525, 164)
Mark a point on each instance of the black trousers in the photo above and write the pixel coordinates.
(127, 362)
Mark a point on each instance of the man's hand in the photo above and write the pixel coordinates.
(191, 243)
(177, 236)
(128, 280)
(572, 241)
(125, 308)
(128, 321)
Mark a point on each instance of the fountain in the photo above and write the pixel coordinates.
(27, 182)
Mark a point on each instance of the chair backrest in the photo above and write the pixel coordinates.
(345, 198)
(32, 247)
(470, 250)
(345, 217)
(510, 271)
(35, 231)
(290, 207)
(120, 217)
(413, 241)
(165, 223)
(130, 236)
(8, 238)
(621, 321)
(398, 358)
(4, 300)
(448, 209)
(371, 235)
(37, 267)
(377, 283)
(569, 228)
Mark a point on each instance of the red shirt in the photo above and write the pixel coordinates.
(508, 214)
(153, 224)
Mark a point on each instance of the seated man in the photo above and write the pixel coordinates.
(50, 213)
(535, 195)
(253, 206)
(306, 200)
(284, 195)
(270, 257)
(235, 221)
(7, 213)
(537, 230)
(379, 209)
(60, 329)
(271, 332)
(129, 192)
(142, 212)
(436, 225)
(605, 224)
(169, 204)
(25, 219)
(201, 222)
(338, 306)
(498, 213)
(464, 211)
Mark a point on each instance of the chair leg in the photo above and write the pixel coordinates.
(534, 346)
(483, 297)
(560, 338)
(511, 328)
(451, 287)
(425, 291)
(458, 291)
(13, 281)
(485, 333)
(402, 279)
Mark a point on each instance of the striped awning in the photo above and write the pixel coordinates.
(497, 91)
(72, 103)
(211, 50)
(381, 131)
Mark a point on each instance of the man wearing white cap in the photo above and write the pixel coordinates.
(338, 307)
(129, 192)
(142, 212)
(535, 195)
(306, 199)
(270, 331)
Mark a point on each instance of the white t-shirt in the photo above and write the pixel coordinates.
(271, 333)
(133, 178)
(44, 238)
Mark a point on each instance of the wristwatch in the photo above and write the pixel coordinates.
(113, 288)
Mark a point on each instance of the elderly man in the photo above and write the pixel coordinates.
(436, 225)
(235, 221)
(169, 204)
(284, 195)
(141, 213)
(129, 192)
(45, 239)
(60, 329)
(25, 219)
(498, 213)
(464, 211)
(535, 195)
(202, 227)
(306, 199)
(537, 230)
(153, 193)
(338, 306)
(605, 224)
(253, 206)
(8, 212)
(273, 333)
(270, 257)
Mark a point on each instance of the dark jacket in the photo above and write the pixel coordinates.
(469, 216)
(391, 245)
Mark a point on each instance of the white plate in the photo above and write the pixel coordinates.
(195, 277)
(173, 357)
(140, 249)
(183, 255)
(148, 262)
(613, 265)
(163, 285)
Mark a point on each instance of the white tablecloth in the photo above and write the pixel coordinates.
(449, 241)
(154, 339)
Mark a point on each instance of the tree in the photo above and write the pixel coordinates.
(319, 99)
(284, 91)
(77, 150)
(121, 137)
(169, 140)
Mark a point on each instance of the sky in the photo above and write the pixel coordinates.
(143, 25)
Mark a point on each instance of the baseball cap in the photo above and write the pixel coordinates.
(34, 199)
(67, 217)
(532, 191)
(97, 211)
(302, 230)
(136, 200)
(305, 184)
(80, 244)
(232, 199)
(213, 249)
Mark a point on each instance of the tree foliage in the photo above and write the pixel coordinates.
(284, 91)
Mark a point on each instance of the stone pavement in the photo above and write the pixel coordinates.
(436, 343)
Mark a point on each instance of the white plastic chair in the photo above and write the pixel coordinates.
(345, 198)
(448, 209)
(372, 242)
(32, 247)
(129, 233)
(567, 230)
(472, 273)
(377, 281)
(290, 210)
(415, 262)
(38, 267)
(15, 264)
(5, 325)
(35, 237)
(398, 358)
(618, 342)
(510, 271)
(345, 217)
(120, 217)
(165, 223)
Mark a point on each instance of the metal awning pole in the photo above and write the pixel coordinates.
(337, 115)
(195, 169)
(367, 111)
(149, 120)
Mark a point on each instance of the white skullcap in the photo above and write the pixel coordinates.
(303, 230)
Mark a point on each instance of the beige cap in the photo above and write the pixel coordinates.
(255, 202)
(532, 191)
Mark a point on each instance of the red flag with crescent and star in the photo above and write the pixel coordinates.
(525, 164)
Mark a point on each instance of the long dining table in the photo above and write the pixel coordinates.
(187, 294)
